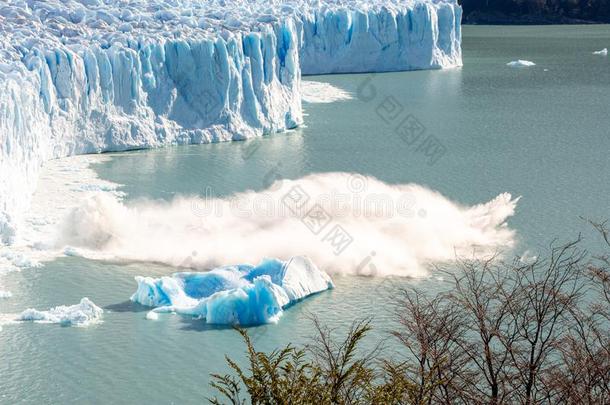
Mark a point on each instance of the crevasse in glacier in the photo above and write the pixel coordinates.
(86, 76)
(234, 295)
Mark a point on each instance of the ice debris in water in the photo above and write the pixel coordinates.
(234, 295)
(603, 52)
(82, 314)
(521, 63)
(152, 316)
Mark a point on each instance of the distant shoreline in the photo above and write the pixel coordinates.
(495, 18)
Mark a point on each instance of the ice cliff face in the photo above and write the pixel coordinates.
(86, 76)
(380, 36)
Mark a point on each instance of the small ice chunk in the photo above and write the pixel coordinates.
(521, 63)
(82, 314)
(152, 316)
(603, 52)
(5, 294)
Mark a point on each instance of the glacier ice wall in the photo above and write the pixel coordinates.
(380, 37)
(86, 76)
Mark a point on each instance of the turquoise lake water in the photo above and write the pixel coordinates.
(542, 133)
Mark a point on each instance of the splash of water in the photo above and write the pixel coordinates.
(346, 223)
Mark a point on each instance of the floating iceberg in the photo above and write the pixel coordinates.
(234, 295)
(86, 76)
(603, 52)
(83, 314)
(521, 63)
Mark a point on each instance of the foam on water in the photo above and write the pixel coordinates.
(317, 92)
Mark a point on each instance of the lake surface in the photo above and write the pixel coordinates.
(542, 133)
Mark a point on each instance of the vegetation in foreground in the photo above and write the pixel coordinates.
(505, 333)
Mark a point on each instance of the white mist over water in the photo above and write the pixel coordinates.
(346, 223)
(63, 184)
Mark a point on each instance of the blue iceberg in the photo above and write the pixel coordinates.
(234, 295)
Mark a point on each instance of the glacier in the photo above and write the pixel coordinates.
(243, 294)
(89, 76)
